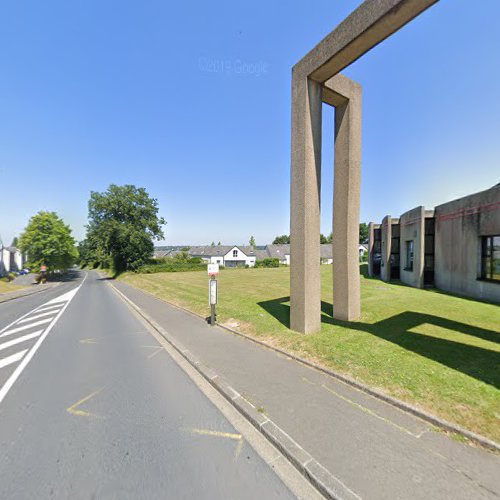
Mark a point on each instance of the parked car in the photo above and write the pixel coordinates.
(24, 271)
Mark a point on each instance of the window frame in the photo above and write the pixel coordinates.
(487, 252)
(409, 256)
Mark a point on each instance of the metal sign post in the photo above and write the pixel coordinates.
(213, 271)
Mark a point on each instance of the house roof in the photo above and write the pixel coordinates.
(278, 251)
(157, 254)
(221, 250)
(326, 251)
(210, 251)
(261, 254)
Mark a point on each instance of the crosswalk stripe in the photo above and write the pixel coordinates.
(31, 318)
(25, 327)
(12, 359)
(24, 338)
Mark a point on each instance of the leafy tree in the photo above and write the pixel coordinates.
(212, 244)
(219, 244)
(123, 222)
(48, 241)
(281, 240)
(15, 242)
(252, 241)
(363, 232)
(323, 239)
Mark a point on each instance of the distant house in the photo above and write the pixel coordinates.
(11, 260)
(326, 253)
(225, 255)
(280, 252)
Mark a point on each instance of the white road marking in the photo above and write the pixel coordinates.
(25, 327)
(48, 308)
(12, 359)
(67, 298)
(37, 316)
(24, 338)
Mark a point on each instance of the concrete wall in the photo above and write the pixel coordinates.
(459, 227)
(412, 228)
(386, 235)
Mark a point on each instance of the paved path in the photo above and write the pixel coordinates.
(91, 406)
(373, 448)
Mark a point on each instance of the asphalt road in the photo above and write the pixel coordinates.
(91, 406)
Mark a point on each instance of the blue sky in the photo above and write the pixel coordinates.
(191, 100)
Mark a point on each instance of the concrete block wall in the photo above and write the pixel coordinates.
(460, 224)
(412, 228)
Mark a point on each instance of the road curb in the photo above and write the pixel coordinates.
(322, 479)
(406, 407)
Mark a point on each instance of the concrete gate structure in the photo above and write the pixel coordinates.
(316, 79)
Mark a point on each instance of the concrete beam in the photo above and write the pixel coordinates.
(371, 23)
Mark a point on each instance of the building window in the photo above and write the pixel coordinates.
(490, 258)
(409, 256)
(235, 253)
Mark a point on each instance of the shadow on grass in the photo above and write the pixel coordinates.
(477, 362)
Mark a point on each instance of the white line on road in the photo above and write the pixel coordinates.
(25, 327)
(24, 338)
(67, 297)
(12, 359)
(37, 316)
(48, 308)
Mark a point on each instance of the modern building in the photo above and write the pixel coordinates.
(455, 247)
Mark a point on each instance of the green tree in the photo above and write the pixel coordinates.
(15, 242)
(252, 241)
(47, 240)
(123, 222)
(363, 232)
(281, 240)
(219, 244)
(323, 239)
(212, 244)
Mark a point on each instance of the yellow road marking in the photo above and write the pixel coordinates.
(158, 348)
(82, 413)
(88, 341)
(206, 432)
(227, 435)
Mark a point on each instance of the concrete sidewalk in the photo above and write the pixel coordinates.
(374, 449)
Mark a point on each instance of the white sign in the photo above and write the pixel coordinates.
(212, 292)
(213, 269)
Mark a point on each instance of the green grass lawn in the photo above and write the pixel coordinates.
(8, 287)
(434, 350)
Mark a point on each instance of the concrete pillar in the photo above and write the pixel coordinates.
(346, 201)
(305, 278)
(386, 240)
(371, 241)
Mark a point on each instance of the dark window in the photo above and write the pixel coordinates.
(235, 253)
(490, 258)
(409, 256)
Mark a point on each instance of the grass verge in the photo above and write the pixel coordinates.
(436, 351)
(9, 287)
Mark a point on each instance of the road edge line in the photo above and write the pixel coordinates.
(321, 478)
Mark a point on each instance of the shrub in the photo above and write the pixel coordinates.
(171, 266)
(269, 262)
